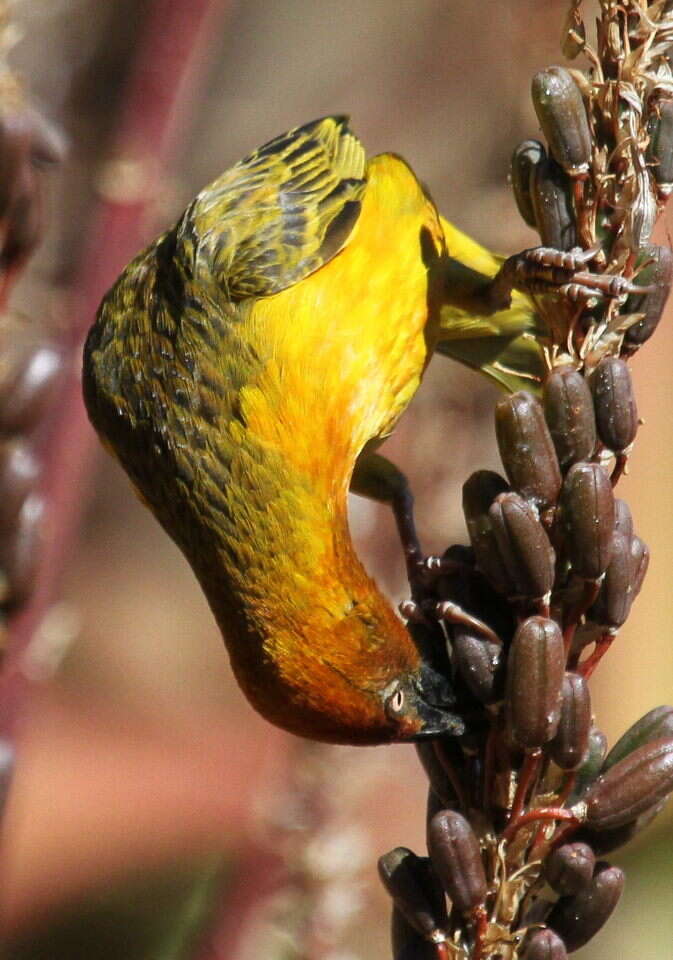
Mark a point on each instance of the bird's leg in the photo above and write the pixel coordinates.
(377, 478)
(537, 270)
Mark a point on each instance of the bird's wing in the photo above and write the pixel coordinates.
(281, 213)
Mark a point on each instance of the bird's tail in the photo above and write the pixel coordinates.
(503, 346)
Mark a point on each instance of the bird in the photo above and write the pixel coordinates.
(244, 369)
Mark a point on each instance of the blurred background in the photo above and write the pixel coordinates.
(149, 802)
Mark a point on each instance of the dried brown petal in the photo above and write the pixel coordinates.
(560, 109)
(631, 786)
(659, 275)
(19, 473)
(552, 206)
(577, 919)
(569, 411)
(660, 148)
(456, 856)
(479, 492)
(544, 945)
(28, 388)
(569, 868)
(570, 742)
(615, 404)
(526, 449)
(524, 159)
(523, 545)
(614, 599)
(534, 679)
(480, 664)
(415, 890)
(588, 518)
(20, 546)
(655, 725)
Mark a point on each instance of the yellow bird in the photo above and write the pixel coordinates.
(243, 369)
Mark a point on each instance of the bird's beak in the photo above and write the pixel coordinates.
(433, 696)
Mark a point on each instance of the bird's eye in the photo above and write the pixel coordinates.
(396, 701)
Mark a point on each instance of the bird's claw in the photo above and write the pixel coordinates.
(448, 611)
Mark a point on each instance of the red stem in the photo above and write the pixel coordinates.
(527, 774)
(540, 813)
(169, 62)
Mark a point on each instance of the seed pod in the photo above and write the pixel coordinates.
(657, 274)
(562, 115)
(655, 725)
(615, 403)
(456, 856)
(614, 599)
(577, 919)
(588, 518)
(479, 492)
(627, 789)
(553, 206)
(19, 473)
(569, 411)
(524, 546)
(479, 662)
(570, 742)
(27, 388)
(440, 781)
(569, 868)
(623, 518)
(526, 449)
(544, 945)
(524, 160)
(415, 890)
(20, 551)
(660, 148)
(603, 842)
(640, 561)
(406, 942)
(534, 679)
(591, 764)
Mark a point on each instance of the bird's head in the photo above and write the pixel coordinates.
(418, 705)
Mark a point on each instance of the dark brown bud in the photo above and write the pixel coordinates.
(614, 599)
(591, 764)
(560, 109)
(479, 492)
(20, 546)
(627, 789)
(415, 890)
(524, 546)
(534, 679)
(569, 868)
(552, 206)
(524, 160)
(588, 518)
(569, 411)
(441, 782)
(570, 743)
(479, 662)
(615, 404)
(655, 725)
(406, 942)
(656, 274)
(623, 518)
(577, 919)
(544, 945)
(660, 148)
(640, 561)
(603, 842)
(527, 450)
(27, 388)
(456, 856)
(19, 474)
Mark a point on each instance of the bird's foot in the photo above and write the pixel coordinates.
(450, 612)
(547, 270)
